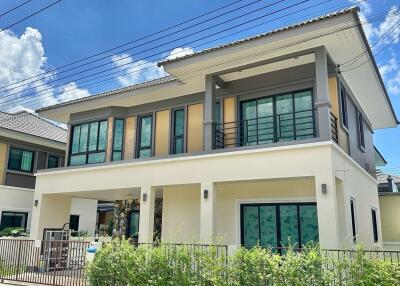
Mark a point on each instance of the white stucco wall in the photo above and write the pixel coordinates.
(87, 210)
(16, 200)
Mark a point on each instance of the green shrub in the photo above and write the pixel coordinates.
(120, 263)
(13, 231)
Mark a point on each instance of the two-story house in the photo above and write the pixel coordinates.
(29, 143)
(262, 140)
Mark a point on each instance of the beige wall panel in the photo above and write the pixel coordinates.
(230, 195)
(162, 133)
(110, 138)
(229, 117)
(333, 96)
(129, 137)
(181, 214)
(3, 158)
(195, 128)
(390, 214)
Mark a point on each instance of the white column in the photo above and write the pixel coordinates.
(146, 219)
(327, 207)
(208, 200)
(209, 113)
(51, 211)
(322, 102)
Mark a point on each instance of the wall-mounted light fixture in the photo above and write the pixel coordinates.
(144, 197)
(36, 203)
(205, 194)
(324, 189)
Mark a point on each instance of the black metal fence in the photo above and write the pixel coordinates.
(43, 262)
(64, 262)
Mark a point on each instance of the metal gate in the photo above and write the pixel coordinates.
(51, 262)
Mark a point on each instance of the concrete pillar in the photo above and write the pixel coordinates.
(209, 113)
(322, 102)
(146, 219)
(327, 208)
(208, 200)
(51, 211)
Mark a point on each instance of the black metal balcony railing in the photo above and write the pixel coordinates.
(334, 128)
(269, 129)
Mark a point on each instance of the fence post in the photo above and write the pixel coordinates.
(18, 260)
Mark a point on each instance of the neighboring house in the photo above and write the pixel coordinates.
(29, 143)
(261, 140)
(389, 201)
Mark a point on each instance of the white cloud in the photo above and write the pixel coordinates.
(391, 66)
(134, 72)
(179, 52)
(394, 84)
(391, 21)
(366, 10)
(23, 57)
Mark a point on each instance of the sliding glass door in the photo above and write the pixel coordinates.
(284, 117)
(279, 225)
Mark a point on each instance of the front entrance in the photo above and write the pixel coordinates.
(278, 225)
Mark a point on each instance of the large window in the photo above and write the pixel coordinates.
(278, 225)
(88, 144)
(20, 160)
(118, 139)
(374, 225)
(13, 219)
(277, 118)
(343, 107)
(53, 161)
(133, 224)
(145, 139)
(178, 131)
(360, 130)
(353, 218)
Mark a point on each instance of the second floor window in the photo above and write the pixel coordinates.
(20, 160)
(145, 138)
(360, 130)
(88, 144)
(118, 139)
(343, 106)
(178, 132)
(52, 161)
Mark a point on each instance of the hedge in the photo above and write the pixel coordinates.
(119, 263)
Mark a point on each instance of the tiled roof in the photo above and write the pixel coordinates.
(31, 124)
(168, 79)
(262, 35)
(382, 178)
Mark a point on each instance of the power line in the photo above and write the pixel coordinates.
(144, 69)
(291, 43)
(29, 16)
(128, 43)
(167, 50)
(15, 8)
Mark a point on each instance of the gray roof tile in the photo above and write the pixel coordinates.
(32, 124)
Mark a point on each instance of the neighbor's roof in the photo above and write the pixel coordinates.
(31, 124)
(168, 79)
(382, 178)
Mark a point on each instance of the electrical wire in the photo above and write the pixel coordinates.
(15, 8)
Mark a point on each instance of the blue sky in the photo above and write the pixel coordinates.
(74, 29)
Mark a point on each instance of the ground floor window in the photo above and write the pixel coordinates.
(278, 225)
(133, 224)
(13, 219)
(74, 222)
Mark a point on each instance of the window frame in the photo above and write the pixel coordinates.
(344, 109)
(360, 130)
(172, 133)
(26, 214)
(278, 220)
(88, 152)
(139, 135)
(53, 155)
(375, 230)
(122, 142)
(353, 217)
(22, 148)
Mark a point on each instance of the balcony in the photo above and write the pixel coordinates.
(292, 126)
